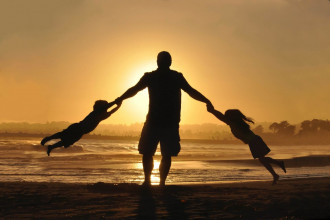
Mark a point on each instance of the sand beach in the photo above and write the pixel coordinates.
(290, 199)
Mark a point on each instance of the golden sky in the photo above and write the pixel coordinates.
(268, 58)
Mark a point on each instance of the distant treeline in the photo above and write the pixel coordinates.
(314, 131)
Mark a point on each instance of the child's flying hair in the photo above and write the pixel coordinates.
(237, 117)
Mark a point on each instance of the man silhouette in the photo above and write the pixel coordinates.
(162, 122)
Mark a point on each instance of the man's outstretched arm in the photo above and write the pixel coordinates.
(132, 91)
(197, 95)
(194, 93)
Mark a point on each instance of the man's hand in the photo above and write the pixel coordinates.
(210, 107)
(118, 101)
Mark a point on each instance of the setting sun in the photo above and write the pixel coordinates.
(137, 106)
(57, 63)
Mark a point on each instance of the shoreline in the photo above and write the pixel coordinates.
(217, 183)
(276, 141)
(307, 198)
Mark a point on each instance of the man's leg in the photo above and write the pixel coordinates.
(164, 169)
(148, 165)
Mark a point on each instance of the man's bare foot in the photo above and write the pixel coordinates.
(282, 166)
(276, 177)
(146, 184)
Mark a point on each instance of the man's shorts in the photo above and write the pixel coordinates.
(167, 135)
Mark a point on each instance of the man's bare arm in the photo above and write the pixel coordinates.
(196, 95)
(131, 92)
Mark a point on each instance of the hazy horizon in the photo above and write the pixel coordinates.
(267, 58)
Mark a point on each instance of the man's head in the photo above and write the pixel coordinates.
(164, 59)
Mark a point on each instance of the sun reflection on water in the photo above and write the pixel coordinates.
(155, 172)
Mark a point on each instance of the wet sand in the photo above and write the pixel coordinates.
(289, 199)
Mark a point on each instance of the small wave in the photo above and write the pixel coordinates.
(244, 170)
(309, 161)
(305, 161)
(71, 149)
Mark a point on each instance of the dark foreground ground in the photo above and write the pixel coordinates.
(290, 199)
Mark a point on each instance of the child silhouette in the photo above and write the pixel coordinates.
(75, 131)
(241, 130)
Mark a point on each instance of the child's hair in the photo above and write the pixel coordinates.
(100, 105)
(237, 117)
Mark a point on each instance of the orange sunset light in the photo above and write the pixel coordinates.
(267, 58)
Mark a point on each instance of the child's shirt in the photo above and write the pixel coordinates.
(90, 122)
(245, 135)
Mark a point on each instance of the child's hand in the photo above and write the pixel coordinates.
(116, 108)
(119, 103)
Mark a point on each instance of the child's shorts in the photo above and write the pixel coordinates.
(167, 135)
(258, 147)
(71, 134)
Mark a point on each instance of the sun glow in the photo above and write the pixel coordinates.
(138, 70)
(138, 105)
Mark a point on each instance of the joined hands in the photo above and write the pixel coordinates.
(210, 107)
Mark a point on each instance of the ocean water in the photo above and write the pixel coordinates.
(118, 161)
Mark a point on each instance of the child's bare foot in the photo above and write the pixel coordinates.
(276, 177)
(43, 141)
(282, 166)
(49, 149)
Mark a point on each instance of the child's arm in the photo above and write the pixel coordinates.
(108, 114)
(110, 104)
(115, 109)
(217, 114)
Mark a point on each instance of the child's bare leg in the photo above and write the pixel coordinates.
(56, 145)
(54, 136)
(45, 140)
(277, 162)
(267, 165)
